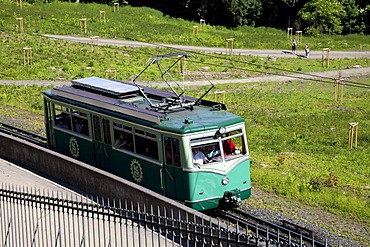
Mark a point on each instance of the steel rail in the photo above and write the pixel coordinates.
(23, 134)
(269, 232)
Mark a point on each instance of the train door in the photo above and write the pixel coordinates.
(171, 163)
(102, 142)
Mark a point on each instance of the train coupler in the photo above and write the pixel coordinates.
(232, 197)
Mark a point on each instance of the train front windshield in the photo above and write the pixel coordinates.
(221, 146)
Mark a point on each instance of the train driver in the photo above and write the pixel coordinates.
(198, 157)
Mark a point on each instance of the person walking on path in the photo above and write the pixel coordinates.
(307, 50)
(294, 46)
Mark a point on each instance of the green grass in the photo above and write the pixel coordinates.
(294, 128)
(55, 59)
(301, 134)
(62, 60)
(297, 130)
(149, 25)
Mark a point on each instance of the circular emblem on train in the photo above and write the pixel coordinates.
(73, 147)
(136, 171)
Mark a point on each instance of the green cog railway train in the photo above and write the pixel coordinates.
(188, 149)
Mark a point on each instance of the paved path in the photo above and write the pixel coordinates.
(263, 53)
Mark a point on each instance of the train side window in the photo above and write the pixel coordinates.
(123, 140)
(123, 137)
(146, 144)
(62, 117)
(172, 151)
(79, 120)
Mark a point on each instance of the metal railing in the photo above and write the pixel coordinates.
(30, 218)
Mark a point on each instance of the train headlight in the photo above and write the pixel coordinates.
(219, 132)
(222, 130)
(225, 180)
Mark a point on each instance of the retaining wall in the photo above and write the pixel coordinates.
(87, 178)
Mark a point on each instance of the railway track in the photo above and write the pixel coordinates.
(23, 134)
(256, 231)
(260, 232)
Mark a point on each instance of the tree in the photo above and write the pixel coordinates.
(280, 13)
(364, 20)
(322, 16)
(229, 13)
(243, 12)
(352, 13)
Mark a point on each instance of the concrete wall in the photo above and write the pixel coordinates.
(87, 178)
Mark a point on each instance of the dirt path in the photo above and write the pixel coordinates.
(349, 73)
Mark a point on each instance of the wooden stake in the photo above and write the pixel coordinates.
(94, 40)
(195, 29)
(338, 90)
(109, 72)
(229, 46)
(27, 56)
(19, 25)
(182, 64)
(352, 134)
(219, 92)
(289, 33)
(325, 56)
(19, 3)
(102, 16)
(202, 24)
(299, 36)
(116, 7)
(83, 25)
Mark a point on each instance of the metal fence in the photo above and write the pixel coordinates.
(30, 218)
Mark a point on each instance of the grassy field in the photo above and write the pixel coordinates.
(298, 136)
(62, 60)
(298, 139)
(55, 59)
(144, 24)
